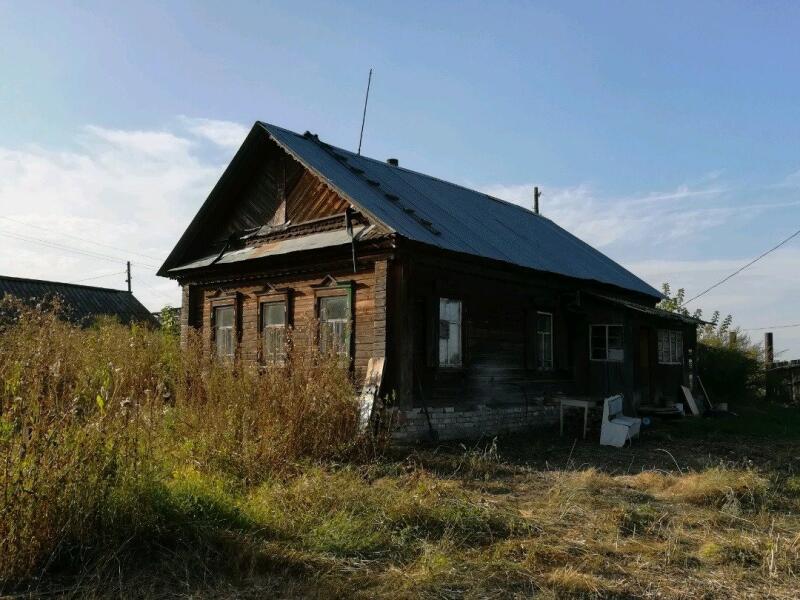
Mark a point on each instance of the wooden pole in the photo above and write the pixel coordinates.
(769, 351)
(128, 279)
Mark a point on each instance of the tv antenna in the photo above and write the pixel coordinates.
(364, 116)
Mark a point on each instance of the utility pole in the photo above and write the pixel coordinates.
(536, 195)
(128, 279)
(769, 350)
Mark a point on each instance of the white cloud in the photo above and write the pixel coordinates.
(632, 229)
(764, 295)
(225, 134)
(134, 191)
(655, 217)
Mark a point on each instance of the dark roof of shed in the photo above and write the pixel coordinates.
(431, 211)
(651, 310)
(460, 219)
(82, 302)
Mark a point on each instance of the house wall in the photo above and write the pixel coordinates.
(498, 339)
(498, 388)
(369, 309)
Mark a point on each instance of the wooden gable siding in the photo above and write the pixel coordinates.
(311, 199)
(369, 310)
(270, 189)
(260, 198)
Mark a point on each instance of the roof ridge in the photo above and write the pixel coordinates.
(412, 171)
(64, 283)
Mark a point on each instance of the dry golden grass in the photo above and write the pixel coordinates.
(133, 469)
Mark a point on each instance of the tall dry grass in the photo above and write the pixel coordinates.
(95, 422)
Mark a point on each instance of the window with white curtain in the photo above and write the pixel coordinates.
(449, 332)
(670, 347)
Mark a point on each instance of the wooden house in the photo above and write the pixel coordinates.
(485, 312)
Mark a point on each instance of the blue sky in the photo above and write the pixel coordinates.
(667, 134)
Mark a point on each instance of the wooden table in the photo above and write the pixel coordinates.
(585, 404)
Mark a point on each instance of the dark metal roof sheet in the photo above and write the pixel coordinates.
(428, 210)
(312, 241)
(82, 302)
(651, 310)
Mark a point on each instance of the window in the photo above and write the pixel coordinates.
(273, 331)
(544, 341)
(606, 343)
(670, 347)
(334, 325)
(449, 332)
(224, 331)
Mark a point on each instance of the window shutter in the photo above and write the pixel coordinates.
(432, 331)
(530, 338)
(465, 334)
(351, 323)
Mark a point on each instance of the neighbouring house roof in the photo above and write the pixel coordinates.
(650, 310)
(431, 211)
(82, 302)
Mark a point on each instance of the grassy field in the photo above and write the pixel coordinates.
(102, 495)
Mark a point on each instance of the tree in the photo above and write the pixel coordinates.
(713, 331)
(729, 365)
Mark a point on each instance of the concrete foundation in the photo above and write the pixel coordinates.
(450, 423)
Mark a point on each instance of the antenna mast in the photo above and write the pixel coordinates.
(364, 116)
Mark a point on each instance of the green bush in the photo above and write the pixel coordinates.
(730, 374)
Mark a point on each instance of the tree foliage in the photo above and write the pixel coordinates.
(714, 332)
(729, 363)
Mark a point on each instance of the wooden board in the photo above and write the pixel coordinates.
(690, 401)
(370, 391)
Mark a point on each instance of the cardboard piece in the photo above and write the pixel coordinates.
(690, 401)
(370, 391)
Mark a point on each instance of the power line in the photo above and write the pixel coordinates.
(160, 293)
(66, 248)
(127, 251)
(739, 270)
(99, 276)
(789, 326)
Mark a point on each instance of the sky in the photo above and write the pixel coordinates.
(666, 134)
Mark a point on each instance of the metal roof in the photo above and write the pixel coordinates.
(323, 239)
(651, 310)
(82, 302)
(431, 211)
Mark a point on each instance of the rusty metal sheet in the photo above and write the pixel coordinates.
(313, 241)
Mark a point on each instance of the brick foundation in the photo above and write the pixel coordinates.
(450, 423)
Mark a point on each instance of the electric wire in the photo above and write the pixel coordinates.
(57, 246)
(117, 248)
(740, 269)
(99, 276)
(790, 325)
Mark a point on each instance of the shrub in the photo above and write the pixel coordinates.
(729, 374)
